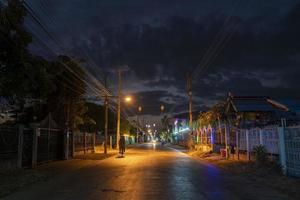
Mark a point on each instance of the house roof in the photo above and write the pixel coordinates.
(255, 104)
(293, 104)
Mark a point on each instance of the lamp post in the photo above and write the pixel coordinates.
(137, 123)
(119, 106)
(127, 99)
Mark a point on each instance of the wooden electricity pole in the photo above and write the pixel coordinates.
(106, 125)
(119, 106)
(106, 120)
(189, 90)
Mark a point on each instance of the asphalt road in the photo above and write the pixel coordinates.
(147, 172)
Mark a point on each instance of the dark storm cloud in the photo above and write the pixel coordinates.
(152, 100)
(161, 40)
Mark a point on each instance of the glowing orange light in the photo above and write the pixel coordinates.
(128, 99)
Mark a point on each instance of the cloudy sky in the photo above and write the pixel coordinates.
(247, 47)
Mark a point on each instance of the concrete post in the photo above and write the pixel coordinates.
(237, 144)
(282, 152)
(20, 145)
(36, 134)
(110, 142)
(220, 129)
(84, 143)
(261, 138)
(73, 144)
(66, 144)
(227, 141)
(212, 139)
(94, 142)
(248, 145)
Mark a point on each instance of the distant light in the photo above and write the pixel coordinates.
(128, 99)
(176, 122)
(140, 109)
(183, 130)
(154, 125)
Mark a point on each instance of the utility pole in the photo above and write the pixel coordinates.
(106, 120)
(137, 122)
(106, 125)
(119, 106)
(189, 89)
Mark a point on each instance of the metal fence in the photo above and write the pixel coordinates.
(292, 149)
(16, 146)
(267, 136)
(27, 147)
(87, 142)
(50, 145)
(8, 142)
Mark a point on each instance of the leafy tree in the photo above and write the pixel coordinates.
(16, 70)
(127, 128)
(216, 113)
(24, 77)
(66, 101)
(165, 133)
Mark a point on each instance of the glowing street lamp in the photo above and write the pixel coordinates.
(140, 109)
(128, 99)
(162, 108)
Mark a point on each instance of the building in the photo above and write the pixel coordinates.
(255, 111)
(180, 128)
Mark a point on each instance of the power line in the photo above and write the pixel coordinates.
(58, 43)
(83, 51)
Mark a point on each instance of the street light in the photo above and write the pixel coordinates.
(162, 108)
(140, 109)
(137, 123)
(128, 99)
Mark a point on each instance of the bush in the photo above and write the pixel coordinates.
(260, 154)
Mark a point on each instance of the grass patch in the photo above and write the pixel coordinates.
(267, 173)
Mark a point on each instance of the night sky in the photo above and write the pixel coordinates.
(248, 47)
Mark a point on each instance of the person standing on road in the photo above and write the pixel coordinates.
(122, 145)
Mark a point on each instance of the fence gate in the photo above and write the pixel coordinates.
(292, 147)
(8, 143)
(27, 147)
(50, 145)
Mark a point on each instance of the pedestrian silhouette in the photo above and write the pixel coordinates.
(122, 145)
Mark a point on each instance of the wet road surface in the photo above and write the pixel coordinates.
(148, 171)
